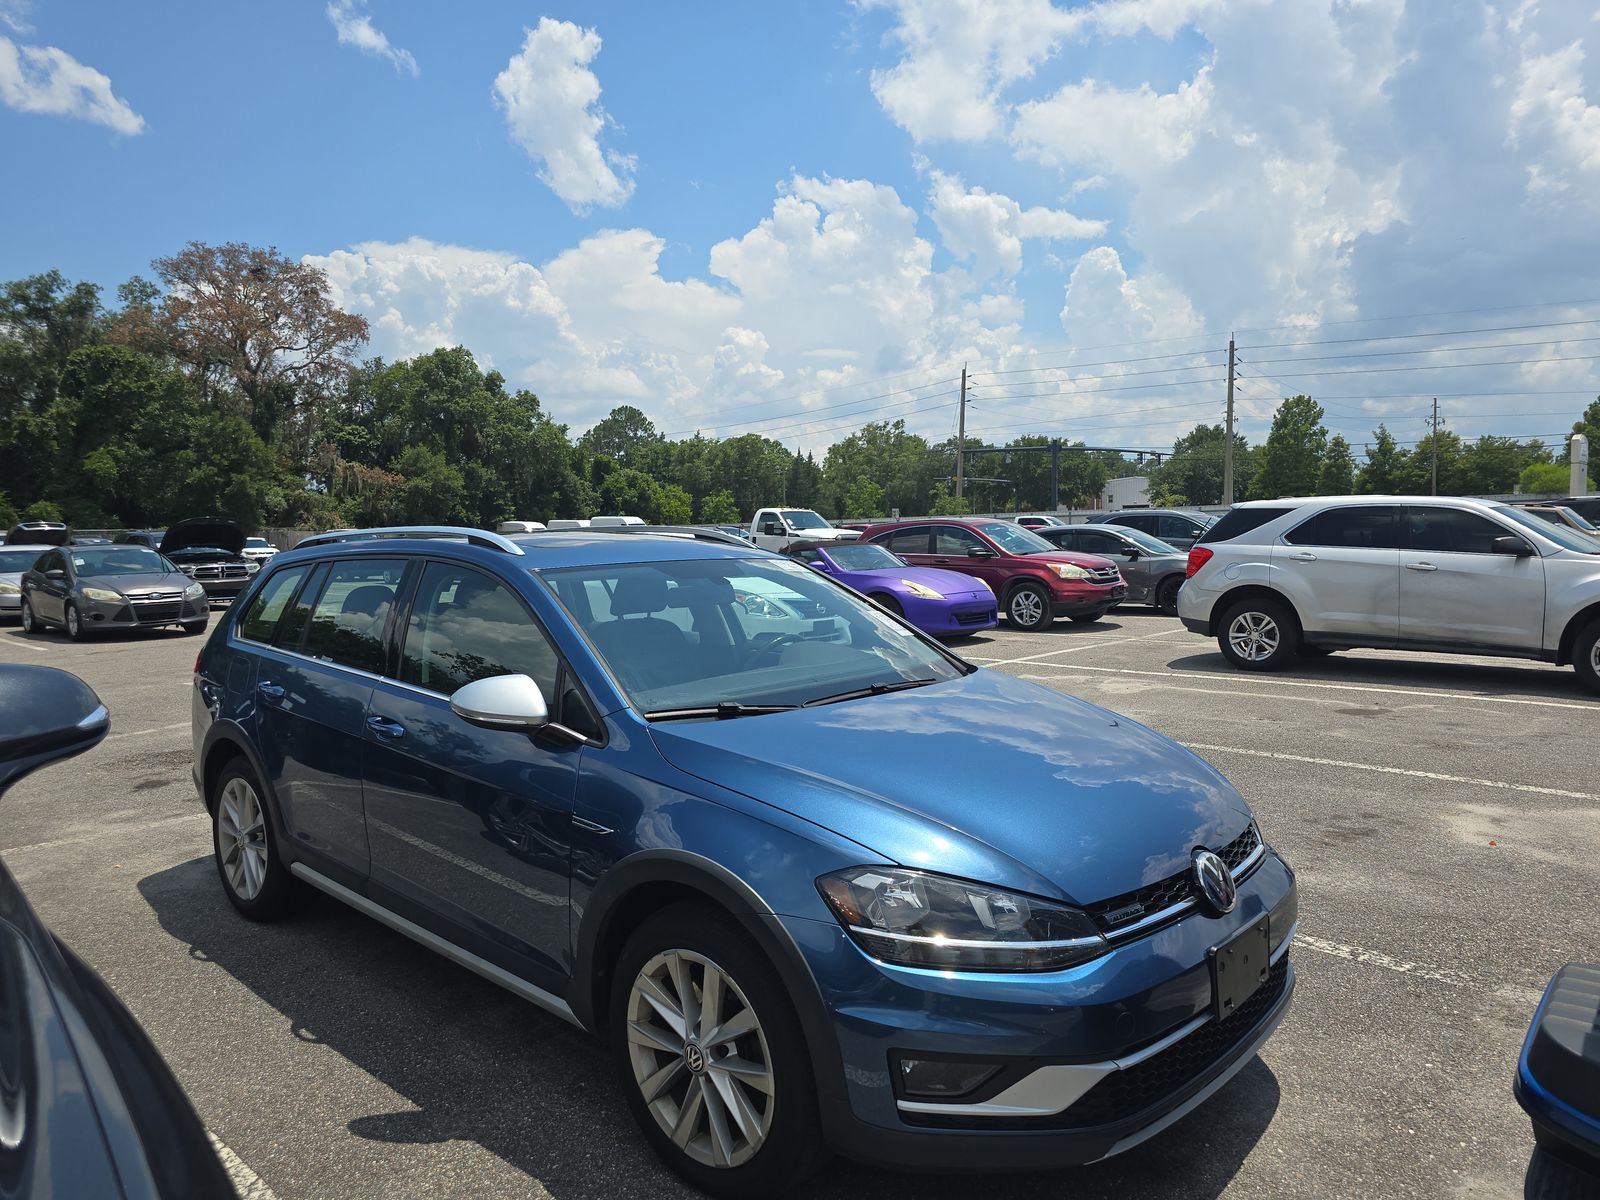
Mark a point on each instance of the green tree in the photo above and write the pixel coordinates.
(431, 491)
(804, 487)
(719, 508)
(626, 492)
(1546, 479)
(8, 514)
(752, 467)
(674, 506)
(42, 510)
(1492, 466)
(1417, 476)
(626, 436)
(1338, 476)
(950, 506)
(1589, 426)
(864, 499)
(1385, 465)
(901, 464)
(1291, 458)
(1194, 469)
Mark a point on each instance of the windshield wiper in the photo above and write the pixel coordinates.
(872, 689)
(723, 710)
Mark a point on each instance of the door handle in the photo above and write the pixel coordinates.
(1302, 557)
(271, 692)
(1421, 566)
(384, 727)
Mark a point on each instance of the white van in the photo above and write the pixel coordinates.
(519, 527)
(613, 522)
(568, 523)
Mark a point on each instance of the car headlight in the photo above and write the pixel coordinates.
(193, 592)
(918, 919)
(10, 589)
(1070, 570)
(105, 595)
(921, 592)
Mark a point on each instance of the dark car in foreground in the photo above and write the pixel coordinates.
(1153, 570)
(941, 603)
(823, 884)
(1034, 581)
(93, 589)
(1558, 1086)
(209, 550)
(87, 1106)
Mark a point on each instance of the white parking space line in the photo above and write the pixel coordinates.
(1341, 687)
(248, 1184)
(1499, 784)
(1094, 645)
(1375, 958)
(111, 737)
(1232, 693)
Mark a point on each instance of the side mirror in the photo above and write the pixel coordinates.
(771, 529)
(45, 715)
(980, 552)
(1131, 553)
(55, 573)
(501, 702)
(1513, 545)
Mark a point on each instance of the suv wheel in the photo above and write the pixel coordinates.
(1028, 607)
(711, 1056)
(255, 877)
(1586, 656)
(1259, 635)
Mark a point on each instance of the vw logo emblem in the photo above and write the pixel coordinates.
(1213, 882)
(694, 1058)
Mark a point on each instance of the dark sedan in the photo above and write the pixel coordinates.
(1153, 569)
(87, 589)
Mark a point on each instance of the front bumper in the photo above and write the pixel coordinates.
(10, 604)
(971, 612)
(1077, 600)
(143, 614)
(1097, 1058)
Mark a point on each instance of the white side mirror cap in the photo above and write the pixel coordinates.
(502, 702)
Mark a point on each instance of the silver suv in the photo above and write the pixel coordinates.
(1278, 578)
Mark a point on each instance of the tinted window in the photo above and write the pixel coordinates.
(905, 541)
(466, 626)
(807, 556)
(51, 562)
(348, 621)
(119, 560)
(266, 610)
(952, 539)
(868, 557)
(1237, 522)
(14, 562)
(1369, 527)
(1144, 521)
(1453, 530)
(1572, 539)
(1092, 541)
(1168, 526)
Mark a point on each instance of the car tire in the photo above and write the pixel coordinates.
(1586, 656)
(194, 627)
(751, 1133)
(889, 603)
(1167, 595)
(245, 847)
(74, 626)
(1259, 635)
(1088, 618)
(30, 623)
(1028, 607)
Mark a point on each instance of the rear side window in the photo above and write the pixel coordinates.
(349, 618)
(905, 541)
(1364, 527)
(1169, 526)
(260, 622)
(1144, 521)
(1453, 530)
(1237, 522)
(465, 626)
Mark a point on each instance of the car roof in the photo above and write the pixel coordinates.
(1331, 501)
(540, 551)
(41, 548)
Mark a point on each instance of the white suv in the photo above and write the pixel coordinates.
(1277, 578)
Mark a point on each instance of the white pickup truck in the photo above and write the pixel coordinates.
(776, 528)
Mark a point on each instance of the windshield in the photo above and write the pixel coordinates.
(256, 543)
(731, 632)
(1148, 542)
(1014, 539)
(15, 562)
(1569, 516)
(119, 560)
(865, 557)
(804, 518)
(1561, 535)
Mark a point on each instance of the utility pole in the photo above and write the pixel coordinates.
(961, 436)
(1227, 441)
(1436, 445)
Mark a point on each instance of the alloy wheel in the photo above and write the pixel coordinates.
(242, 838)
(74, 622)
(700, 1058)
(28, 623)
(1594, 657)
(1254, 636)
(1026, 608)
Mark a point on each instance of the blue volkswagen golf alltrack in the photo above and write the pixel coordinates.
(821, 884)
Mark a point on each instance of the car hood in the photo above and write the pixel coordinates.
(947, 582)
(144, 581)
(203, 531)
(987, 777)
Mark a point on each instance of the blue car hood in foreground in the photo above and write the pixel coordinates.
(987, 777)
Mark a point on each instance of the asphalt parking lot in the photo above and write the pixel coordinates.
(1441, 813)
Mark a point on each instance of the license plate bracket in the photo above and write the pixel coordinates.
(1239, 966)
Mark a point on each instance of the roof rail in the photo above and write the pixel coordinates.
(687, 532)
(475, 537)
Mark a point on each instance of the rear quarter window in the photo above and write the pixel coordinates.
(1237, 522)
(261, 620)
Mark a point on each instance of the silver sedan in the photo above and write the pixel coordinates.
(88, 589)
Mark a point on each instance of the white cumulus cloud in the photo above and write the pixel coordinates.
(43, 79)
(551, 101)
(355, 28)
(988, 228)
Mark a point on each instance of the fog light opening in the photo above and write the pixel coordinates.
(942, 1078)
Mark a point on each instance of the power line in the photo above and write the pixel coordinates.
(1435, 333)
(1509, 362)
(1112, 362)
(1426, 350)
(1458, 312)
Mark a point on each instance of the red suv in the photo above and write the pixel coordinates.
(1033, 581)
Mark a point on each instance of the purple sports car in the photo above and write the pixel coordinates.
(943, 603)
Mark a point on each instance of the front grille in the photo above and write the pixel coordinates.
(215, 571)
(157, 613)
(1106, 575)
(1134, 906)
(977, 616)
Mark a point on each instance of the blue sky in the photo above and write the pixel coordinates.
(794, 217)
